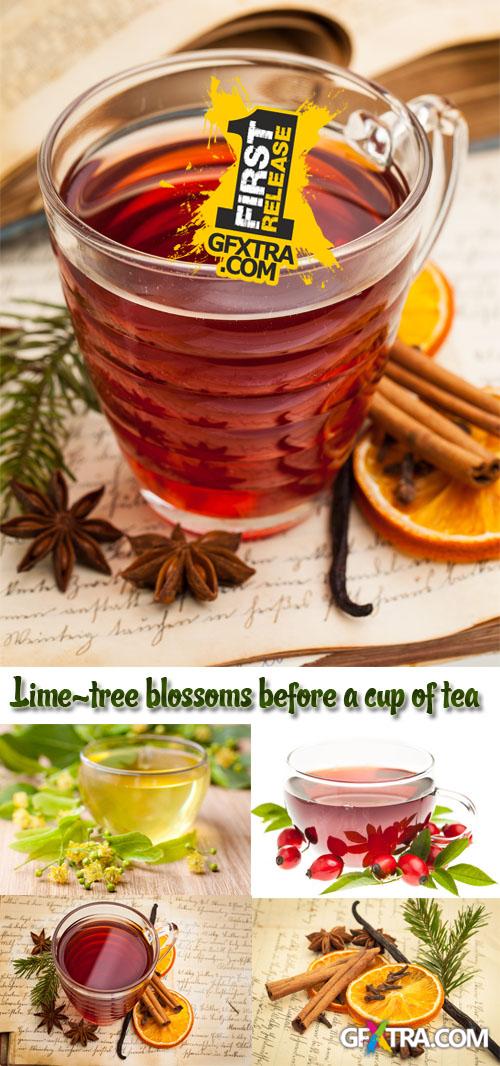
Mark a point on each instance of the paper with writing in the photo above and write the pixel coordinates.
(280, 949)
(212, 969)
(285, 607)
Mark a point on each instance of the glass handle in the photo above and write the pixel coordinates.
(447, 131)
(456, 799)
(170, 931)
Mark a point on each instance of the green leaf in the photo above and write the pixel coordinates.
(6, 805)
(18, 786)
(282, 822)
(445, 879)
(359, 878)
(170, 850)
(421, 845)
(60, 744)
(439, 811)
(470, 875)
(277, 817)
(50, 804)
(14, 759)
(132, 846)
(268, 810)
(451, 851)
(228, 777)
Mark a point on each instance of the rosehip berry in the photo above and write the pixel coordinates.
(433, 854)
(288, 857)
(326, 868)
(337, 846)
(454, 830)
(311, 834)
(384, 866)
(414, 870)
(434, 829)
(291, 836)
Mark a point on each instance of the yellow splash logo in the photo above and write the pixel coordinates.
(257, 220)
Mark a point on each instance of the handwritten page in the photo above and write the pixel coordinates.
(280, 949)
(285, 608)
(212, 968)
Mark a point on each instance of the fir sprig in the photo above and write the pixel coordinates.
(444, 944)
(42, 967)
(43, 380)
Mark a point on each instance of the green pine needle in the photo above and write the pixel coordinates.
(444, 944)
(47, 984)
(43, 379)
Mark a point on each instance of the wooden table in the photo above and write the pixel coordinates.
(224, 824)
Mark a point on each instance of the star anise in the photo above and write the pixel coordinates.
(42, 943)
(172, 565)
(65, 532)
(52, 1016)
(334, 940)
(362, 939)
(81, 1032)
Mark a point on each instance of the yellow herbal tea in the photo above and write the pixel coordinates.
(148, 784)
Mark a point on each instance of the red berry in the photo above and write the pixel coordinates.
(311, 834)
(326, 868)
(291, 836)
(454, 830)
(384, 866)
(288, 857)
(434, 829)
(433, 854)
(337, 846)
(414, 870)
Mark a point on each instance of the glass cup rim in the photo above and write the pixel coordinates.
(363, 785)
(87, 988)
(209, 57)
(112, 741)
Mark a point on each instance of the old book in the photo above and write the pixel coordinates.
(55, 50)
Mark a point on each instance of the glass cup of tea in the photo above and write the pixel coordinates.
(144, 783)
(359, 799)
(236, 403)
(105, 954)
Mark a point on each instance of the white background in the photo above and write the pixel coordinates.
(465, 743)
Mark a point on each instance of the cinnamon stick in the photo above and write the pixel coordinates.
(444, 398)
(434, 421)
(427, 369)
(286, 986)
(154, 1007)
(332, 988)
(164, 994)
(456, 460)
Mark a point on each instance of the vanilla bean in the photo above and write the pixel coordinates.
(339, 528)
(459, 1016)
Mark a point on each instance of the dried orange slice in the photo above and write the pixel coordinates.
(166, 957)
(428, 311)
(418, 1000)
(339, 1007)
(165, 1036)
(446, 520)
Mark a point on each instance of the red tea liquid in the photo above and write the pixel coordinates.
(358, 823)
(222, 415)
(104, 956)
